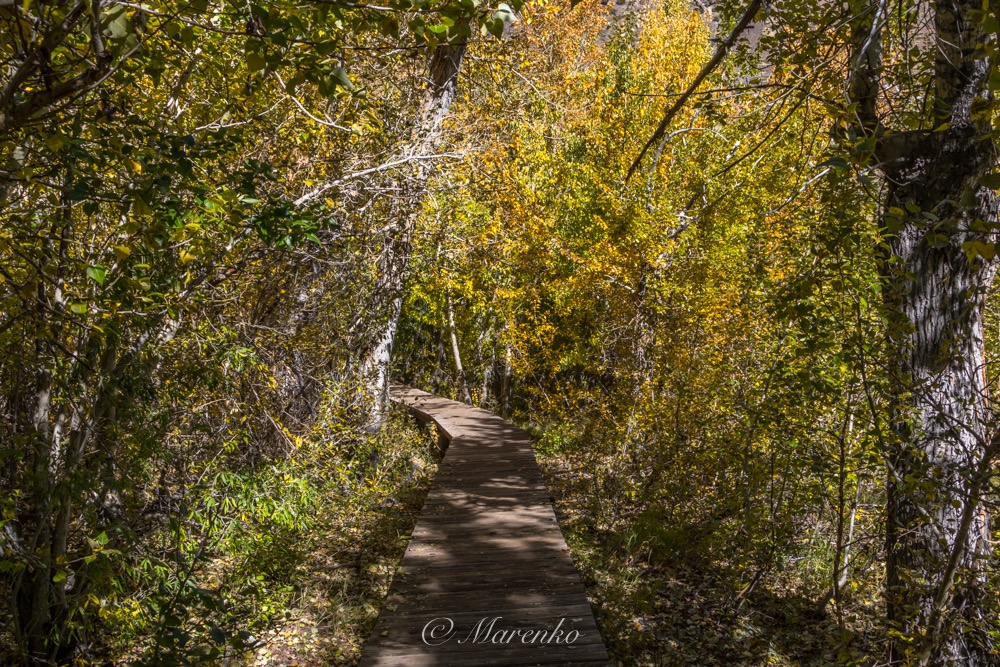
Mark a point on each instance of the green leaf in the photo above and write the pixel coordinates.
(390, 27)
(55, 142)
(97, 273)
(975, 249)
(493, 27)
(835, 162)
(339, 78)
(140, 207)
(936, 239)
(118, 25)
(991, 181)
(994, 80)
(459, 31)
(78, 308)
(255, 62)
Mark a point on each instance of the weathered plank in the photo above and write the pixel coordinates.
(487, 565)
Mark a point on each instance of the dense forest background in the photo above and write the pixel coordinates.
(757, 356)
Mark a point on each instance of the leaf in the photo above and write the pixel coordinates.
(459, 31)
(339, 78)
(493, 27)
(936, 239)
(390, 27)
(505, 13)
(187, 257)
(255, 62)
(97, 273)
(994, 80)
(59, 577)
(79, 191)
(140, 207)
(118, 26)
(975, 249)
(991, 181)
(78, 308)
(55, 142)
(835, 162)
(121, 252)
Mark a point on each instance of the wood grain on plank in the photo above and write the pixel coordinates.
(487, 561)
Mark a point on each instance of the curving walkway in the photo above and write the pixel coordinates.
(487, 578)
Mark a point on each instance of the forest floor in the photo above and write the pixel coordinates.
(655, 606)
(675, 606)
(349, 562)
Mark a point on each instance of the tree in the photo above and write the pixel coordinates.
(918, 111)
(147, 156)
(443, 69)
(940, 225)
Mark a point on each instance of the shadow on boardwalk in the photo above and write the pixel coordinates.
(487, 578)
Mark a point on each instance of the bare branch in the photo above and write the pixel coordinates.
(720, 53)
(326, 187)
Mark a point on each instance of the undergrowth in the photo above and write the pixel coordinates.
(671, 592)
(286, 563)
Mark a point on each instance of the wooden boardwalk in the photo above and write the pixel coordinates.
(487, 578)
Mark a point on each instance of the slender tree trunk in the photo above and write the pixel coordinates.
(463, 387)
(484, 395)
(442, 82)
(484, 389)
(506, 382)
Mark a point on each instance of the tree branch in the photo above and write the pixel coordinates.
(720, 53)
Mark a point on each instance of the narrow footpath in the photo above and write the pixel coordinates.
(487, 578)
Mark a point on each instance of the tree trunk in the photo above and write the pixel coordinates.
(463, 387)
(935, 285)
(938, 265)
(506, 383)
(442, 82)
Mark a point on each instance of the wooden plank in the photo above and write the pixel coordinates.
(487, 546)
